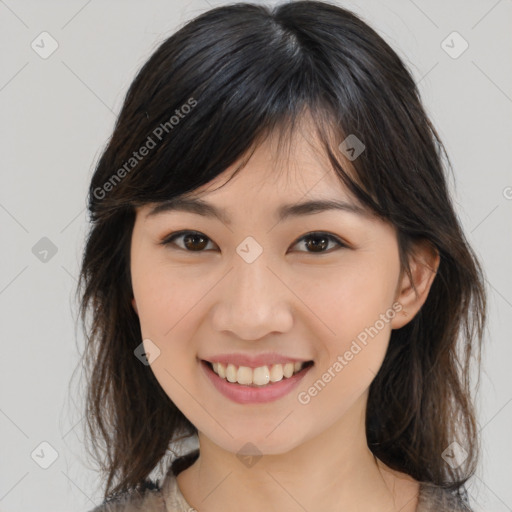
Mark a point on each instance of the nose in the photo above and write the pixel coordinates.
(252, 301)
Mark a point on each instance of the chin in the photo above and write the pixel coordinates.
(259, 443)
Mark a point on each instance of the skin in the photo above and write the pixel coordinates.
(292, 300)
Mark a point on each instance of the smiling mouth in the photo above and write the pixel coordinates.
(257, 377)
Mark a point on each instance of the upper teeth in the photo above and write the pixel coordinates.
(258, 376)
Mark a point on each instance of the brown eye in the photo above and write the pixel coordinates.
(317, 242)
(193, 241)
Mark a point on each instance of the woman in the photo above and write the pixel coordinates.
(275, 268)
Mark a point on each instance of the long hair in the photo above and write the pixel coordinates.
(206, 97)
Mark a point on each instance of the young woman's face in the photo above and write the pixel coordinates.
(314, 285)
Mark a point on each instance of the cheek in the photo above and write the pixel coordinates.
(355, 311)
(352, 307)
(165, 294)
(349, 298)
(169, 301)
(166, 301)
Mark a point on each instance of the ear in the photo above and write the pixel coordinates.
(423, 262)
(134, 304)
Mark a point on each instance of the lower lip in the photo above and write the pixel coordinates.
(253, 395)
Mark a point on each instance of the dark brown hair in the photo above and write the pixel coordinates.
(208, 96)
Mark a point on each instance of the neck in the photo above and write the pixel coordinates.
(333, 468)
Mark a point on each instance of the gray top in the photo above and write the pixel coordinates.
(168, 498)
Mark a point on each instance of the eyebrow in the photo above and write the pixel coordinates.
(200, 207)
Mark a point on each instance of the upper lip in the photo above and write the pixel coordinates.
(254, 361)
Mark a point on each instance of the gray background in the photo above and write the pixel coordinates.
(56, 116)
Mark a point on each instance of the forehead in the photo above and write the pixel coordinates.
(292, 164)
(285, 180)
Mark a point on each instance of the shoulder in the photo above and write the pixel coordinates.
(147, 497)
(150, 496)
(430, 497)
(440, 499)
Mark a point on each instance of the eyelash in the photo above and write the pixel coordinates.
(168, 240)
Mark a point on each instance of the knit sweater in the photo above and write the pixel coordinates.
(168, 497)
